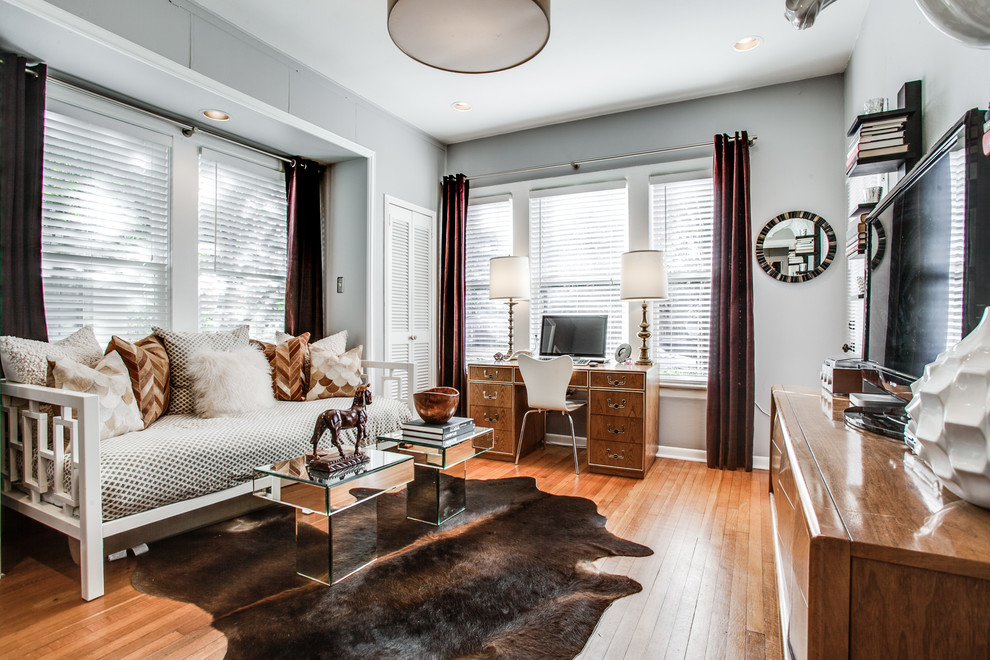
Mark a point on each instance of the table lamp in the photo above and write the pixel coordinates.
(508, 278)
(644, 277)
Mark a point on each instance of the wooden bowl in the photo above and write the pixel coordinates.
(436, 405)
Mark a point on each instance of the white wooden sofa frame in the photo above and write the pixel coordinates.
(78, 511)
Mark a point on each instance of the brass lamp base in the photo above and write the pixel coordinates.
(644, 334)
(512, 303)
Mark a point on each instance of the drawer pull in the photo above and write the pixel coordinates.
(491, 419)
(616, 431)
(616, 382)
(621, 456)
(490, 376)
(490, 397)
(617, 406)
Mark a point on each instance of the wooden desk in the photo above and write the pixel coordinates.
(623, 413)
(874, 558)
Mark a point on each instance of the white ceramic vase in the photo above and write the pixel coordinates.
(950, 415)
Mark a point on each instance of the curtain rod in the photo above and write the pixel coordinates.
(187, 129)
(576, 164)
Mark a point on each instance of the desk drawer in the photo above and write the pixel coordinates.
(616, 454)
(500, 374)
(616, 404)
(494, 417)
(625, 380)
(491, 394)
(606, 428)
(503, 443)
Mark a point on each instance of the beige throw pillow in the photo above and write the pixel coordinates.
(335, 343)
(110, 381)
(230, 382)
(333, 375)
(179, 346)
(26, 360)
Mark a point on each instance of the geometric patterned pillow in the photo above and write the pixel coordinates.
(287, 359)
(26, 360)
(333, 375)
(147, 365)
(109, 380)
(179, 346)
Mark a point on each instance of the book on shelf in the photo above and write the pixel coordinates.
(882, 123)
(880, 144)
(453, 426)
(886, 151)
(881, 135)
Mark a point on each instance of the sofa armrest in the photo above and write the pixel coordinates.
(395, 380)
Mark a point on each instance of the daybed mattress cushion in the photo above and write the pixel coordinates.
(182, 456)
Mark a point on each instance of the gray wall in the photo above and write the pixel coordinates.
(898, 44)
(407, 163)
(796, 164)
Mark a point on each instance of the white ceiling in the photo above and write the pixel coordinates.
(603, 56)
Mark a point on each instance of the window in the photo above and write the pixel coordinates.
(681, 216)
(113, 178)
(576, 240)
(488, 234)
(105, 227)
(243, 239)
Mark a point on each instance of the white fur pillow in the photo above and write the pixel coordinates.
(230, 382)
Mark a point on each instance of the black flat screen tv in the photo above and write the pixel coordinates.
(577, 336)
(932, 287)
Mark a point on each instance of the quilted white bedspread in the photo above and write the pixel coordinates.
(182, 456)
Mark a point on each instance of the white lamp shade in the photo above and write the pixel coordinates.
(644, 276)
(508, 277)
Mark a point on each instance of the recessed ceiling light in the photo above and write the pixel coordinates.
(461, 106)
(747, 43)
(216, 115)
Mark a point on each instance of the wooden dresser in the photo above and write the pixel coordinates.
(874, 558)
(623, 413)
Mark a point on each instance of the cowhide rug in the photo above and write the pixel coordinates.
(511, 577)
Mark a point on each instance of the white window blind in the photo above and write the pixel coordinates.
(242, 245)
(488, 234)
(105, 228)
(681, 215)
(576, 241)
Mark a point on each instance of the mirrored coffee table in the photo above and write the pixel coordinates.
(436, 493)
(336, 513)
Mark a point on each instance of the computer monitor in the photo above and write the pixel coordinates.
(577, 336)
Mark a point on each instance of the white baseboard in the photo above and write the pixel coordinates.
(678, 453)
(699, 456)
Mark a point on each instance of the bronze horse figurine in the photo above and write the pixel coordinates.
(334, 420)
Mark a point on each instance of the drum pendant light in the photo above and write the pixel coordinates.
(470, 36)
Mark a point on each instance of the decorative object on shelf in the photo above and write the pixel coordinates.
(508, 279)
(950, 416)
(335, 420)
(965, 20)
(872, 194)
(874, 105)
(622, 353)
(436, 405)
(796, 246)
(644, 277)
(470, 36)
(802, 13)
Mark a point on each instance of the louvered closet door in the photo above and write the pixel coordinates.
(410, 295)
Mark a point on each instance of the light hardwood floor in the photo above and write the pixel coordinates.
(709, 589)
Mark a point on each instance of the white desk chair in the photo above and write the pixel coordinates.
(546, 388)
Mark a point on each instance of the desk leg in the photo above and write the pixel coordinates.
(435, 496)
(330, 548)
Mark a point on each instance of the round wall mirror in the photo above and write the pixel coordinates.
(878, 244)
(796, 246)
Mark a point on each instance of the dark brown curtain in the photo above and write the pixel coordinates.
(304, 282)
(453, 371)
(22, 130)
(730, 353)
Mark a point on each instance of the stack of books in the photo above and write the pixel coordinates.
(804, 244)
(443, 435)
(879, 137)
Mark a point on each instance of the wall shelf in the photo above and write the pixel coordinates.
(860, 162)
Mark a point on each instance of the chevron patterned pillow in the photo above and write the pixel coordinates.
(147, 365)
(287, 359)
